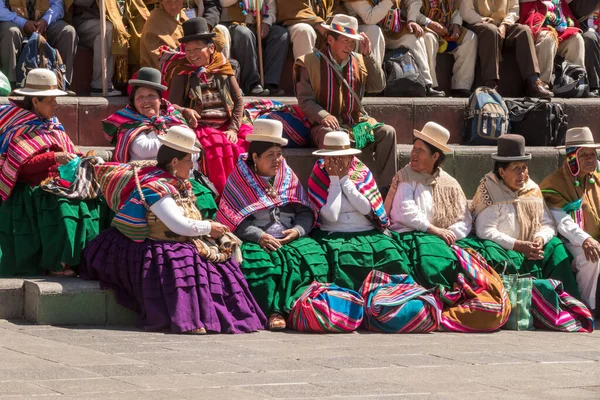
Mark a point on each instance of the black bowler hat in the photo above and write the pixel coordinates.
(196, 29)
(149, 77)
(511, 148)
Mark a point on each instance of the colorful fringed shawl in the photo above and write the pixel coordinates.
(327, 308)
(242, 8)
(449, 200)
(360, 175)
(396, 304)
(296, 127)
(581, 202)
(122, 127)
(534, 14)
(246, 193)
(479, 301)
(555, 309)
(22, 135)
(528, 202)
(118, 184)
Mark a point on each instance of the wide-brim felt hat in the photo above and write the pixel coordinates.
(180, 138)
(579, 137)
(434, 134)
(40, 82)
(511, 148)
(196, 29)
(336, 143)
(150, 78)
(344, 25)
(267, 130)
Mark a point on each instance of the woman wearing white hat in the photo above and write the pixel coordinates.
(572, 193)
(265, 205)
(351, 215)
(39, 231)
(179, 272)
(428, 209)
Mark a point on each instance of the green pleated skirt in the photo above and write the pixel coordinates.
(277, 279)
(39, 231)
(205, 200)
(352, 256)
(433, 262)
(555, 265)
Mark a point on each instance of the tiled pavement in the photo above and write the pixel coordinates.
(123, 363)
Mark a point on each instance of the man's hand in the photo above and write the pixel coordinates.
(438, 28)
(454, 31)
(231, 135)
(217, 230)
(330, 122)
(290, 236)
(63, 158)
(502, 30)
(29, 27)
(487, 20)
(41, 26)
(264, 29)
(591, 248)
(268, 242)
(365, 45)
(415, 29)
(191, 116)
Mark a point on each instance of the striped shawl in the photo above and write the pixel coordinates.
(23, 135)
(246, 193)
(360, 175)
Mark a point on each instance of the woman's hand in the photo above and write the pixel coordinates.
(231, 135)
(290, 236)
(531, 250)
(268, 242)
(217, 230)
(63, 158)
(191, 116)
(446, 235)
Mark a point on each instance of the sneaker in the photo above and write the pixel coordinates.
(109, 93)
(259, 91)
(431, 92)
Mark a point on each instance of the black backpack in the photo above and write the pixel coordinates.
(541, 122)
(569, 80)
(403, 77)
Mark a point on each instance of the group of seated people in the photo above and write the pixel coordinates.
(536, 30)
(186, 265)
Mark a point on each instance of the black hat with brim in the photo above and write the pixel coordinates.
(148, 77)
(511, 148)
(196, 29)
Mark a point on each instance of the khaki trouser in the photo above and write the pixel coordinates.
(572, 49)
(89, 36)
(586, 274)
(417, 49)
(380, 156)
(465, 56)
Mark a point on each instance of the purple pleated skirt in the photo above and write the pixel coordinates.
(170, 286)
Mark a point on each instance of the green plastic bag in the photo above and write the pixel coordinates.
(519, 289)
(4, 85)
(68, 171)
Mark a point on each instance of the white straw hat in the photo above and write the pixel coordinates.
(436, 135)
(336, 144)
(40, 82)
(267, 130)
(344, 25)
(579, 137)
(180, 138)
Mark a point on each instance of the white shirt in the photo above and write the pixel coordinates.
(145, 147)
(346, 208)
(568, 228)
(167, 210)
(412, 210)
(499, 224)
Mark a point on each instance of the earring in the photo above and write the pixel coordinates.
(255, 168)
(592, 181)
(175, 171)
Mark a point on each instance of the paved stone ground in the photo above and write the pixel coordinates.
(123, 363)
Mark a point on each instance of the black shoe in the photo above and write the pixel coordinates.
(460, 93)
(593, 93)
(275, 91)
(431, 92)
(259, 91)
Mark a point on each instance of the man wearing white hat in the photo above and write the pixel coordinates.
(573, 195)
(330, 86)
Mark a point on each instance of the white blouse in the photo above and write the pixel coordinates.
(145, 147)
(412, 210)
(346, 208)
(167, 210)
(499, 224)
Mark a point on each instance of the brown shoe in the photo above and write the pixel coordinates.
(537, 89)
(276, 322)
(198, 331)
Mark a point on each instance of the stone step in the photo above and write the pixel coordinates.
(81, 116)
(61, 301)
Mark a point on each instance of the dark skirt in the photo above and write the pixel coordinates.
(170, 286)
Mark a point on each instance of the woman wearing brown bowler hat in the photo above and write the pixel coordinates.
(513, 222)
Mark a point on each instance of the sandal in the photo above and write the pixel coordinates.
(276, 322)
(199, 331)
(66, 272)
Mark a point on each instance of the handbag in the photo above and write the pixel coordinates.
(540, 122)
(519, 288)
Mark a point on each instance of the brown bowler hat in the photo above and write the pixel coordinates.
(511, 148)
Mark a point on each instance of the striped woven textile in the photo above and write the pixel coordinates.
(479, 301)
(318, 188)
(246, 193)
(325, 307)
(117, 182)
(296, 127)
(84, 187)
(122, 127)
(23, 135)
(555, 309)
(396, 304)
